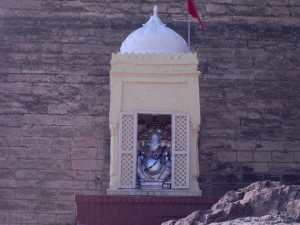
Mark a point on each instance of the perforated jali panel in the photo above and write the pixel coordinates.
(180, 161)
(127, 132)
(181, 138)
(180, 170)
(127, 170)
(127, 151)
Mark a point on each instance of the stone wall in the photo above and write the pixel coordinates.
(54, 96)
(250, 94)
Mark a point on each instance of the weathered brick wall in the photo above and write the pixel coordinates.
(250, 94)
(54, 96)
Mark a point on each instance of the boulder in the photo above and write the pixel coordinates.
(263, 202)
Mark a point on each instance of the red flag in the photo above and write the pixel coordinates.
(191, 8)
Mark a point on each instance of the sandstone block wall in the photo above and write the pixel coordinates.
(54, 96)
(249, 93)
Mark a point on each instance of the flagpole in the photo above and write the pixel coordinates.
(189, 32)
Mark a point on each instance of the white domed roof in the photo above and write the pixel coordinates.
(154, 37)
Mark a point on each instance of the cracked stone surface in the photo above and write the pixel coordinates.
(263, 202)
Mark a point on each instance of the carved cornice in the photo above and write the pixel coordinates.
(155, 63)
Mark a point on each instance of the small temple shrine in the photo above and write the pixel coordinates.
(154, 122)
(154, 114)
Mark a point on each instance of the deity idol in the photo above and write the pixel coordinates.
(154, 155)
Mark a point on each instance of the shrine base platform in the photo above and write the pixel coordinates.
(137, 210)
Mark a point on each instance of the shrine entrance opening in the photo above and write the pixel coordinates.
(154, 151)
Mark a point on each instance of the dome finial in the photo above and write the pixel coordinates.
(155, 10)
(154, 37)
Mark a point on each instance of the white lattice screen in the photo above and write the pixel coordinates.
(181, 126)
(180, 151)
(127, 150)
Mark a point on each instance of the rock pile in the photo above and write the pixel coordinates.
(263, 202)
